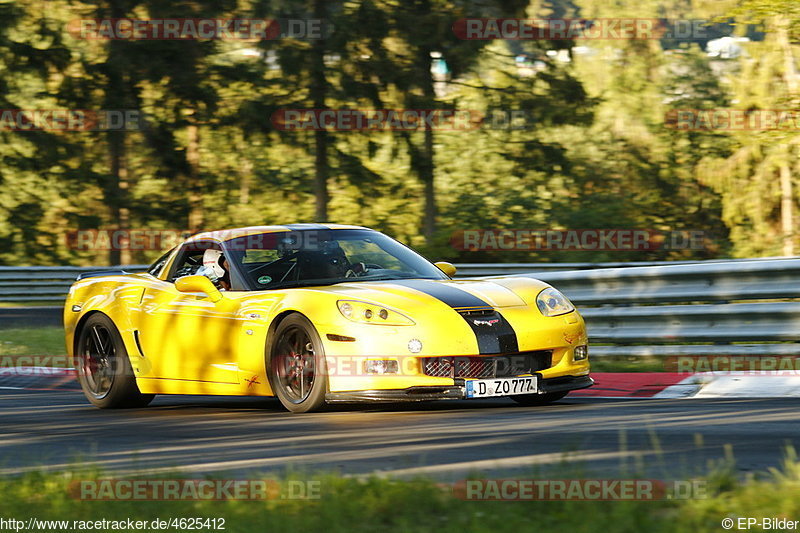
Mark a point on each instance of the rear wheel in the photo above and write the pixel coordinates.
(296, 368)
(103, 368)
(538, 399)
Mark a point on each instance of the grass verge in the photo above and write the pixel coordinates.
(621, 363)
(32, 341)
(421, 505)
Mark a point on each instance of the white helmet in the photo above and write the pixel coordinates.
(212, 262)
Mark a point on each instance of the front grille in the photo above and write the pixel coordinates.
(477, 313)
(494, 366)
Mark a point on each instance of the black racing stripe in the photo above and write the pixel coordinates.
(492, 331)
(455, 298)
(495, 335)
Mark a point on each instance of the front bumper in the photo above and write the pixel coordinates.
(454, 392)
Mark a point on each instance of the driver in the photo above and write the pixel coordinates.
(327, 261)
(216, 268)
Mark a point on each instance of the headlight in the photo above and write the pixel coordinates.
(383, 366)
(580, 353)
(552, 303)
(372, 314)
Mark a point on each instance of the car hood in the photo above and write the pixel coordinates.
(458, 294)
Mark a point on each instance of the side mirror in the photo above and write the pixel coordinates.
(198, 284)
(447, 268)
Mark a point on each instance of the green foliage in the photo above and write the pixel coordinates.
(353, 504)
(594, 150)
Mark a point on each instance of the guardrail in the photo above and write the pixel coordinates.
(714, 308)
(733, 307)
(50, 284)
(43, 284)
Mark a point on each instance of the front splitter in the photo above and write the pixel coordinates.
(455, 392)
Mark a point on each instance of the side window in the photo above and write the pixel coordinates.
(190, 259)
(155, 268)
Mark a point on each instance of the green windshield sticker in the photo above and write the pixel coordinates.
(264, 280)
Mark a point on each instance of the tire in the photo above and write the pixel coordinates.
(296, 366)
(538, 399)
(103, 368)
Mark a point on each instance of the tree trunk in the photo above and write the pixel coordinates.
(194, 186)
(118, 194)
(245, 172)
(787, 193)
(117, 91)
(425, 168)
(787, 205)
(789, 70)
(319, 89)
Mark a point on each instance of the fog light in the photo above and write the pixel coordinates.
(580, 353)
(385, 366)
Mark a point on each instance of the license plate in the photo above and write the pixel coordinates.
(486, 388)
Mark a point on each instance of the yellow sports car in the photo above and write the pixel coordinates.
(317, 314)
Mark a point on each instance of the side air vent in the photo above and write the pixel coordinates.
(138, 343)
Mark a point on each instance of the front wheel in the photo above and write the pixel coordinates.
(538, 399)
(103, 368)
(296, 365)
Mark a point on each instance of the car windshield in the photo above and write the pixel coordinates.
(324, 257)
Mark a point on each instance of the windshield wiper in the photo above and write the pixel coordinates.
(393, 278)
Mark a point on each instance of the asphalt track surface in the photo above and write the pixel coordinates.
(664, 439)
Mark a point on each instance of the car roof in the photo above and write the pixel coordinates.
(233, 233)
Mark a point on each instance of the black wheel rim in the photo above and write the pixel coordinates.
(293, 364)
(96, 361)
